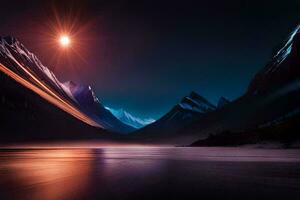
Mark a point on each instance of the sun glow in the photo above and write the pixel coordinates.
(68, 39)
(64, 41)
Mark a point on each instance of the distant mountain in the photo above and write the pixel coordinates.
(222, 102)
(196, 103)
(19, 64)
(191, 108)
(90, 104)
(129, 119)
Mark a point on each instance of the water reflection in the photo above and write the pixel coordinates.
(149, 173)
(45, 174)
(109, 173)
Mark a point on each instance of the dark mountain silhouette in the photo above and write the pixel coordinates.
(269, 109)
(191, 108)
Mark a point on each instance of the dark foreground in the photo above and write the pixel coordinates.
(149, 173)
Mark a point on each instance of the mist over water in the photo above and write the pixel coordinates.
(149, 173)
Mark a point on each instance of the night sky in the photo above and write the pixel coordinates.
(144, 56)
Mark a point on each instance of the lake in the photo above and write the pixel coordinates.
(149, 173)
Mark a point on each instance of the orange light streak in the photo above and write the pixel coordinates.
(47, 94)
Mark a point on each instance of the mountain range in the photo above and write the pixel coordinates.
(272, 98)
(267, 111)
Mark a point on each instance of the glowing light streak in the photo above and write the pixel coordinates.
(47, 94)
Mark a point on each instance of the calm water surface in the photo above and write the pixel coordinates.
(149, 173)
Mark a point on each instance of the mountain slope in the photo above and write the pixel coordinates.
(282, 69)
(24, 67)
(26, 117)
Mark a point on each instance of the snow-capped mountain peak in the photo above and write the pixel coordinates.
(129, 119)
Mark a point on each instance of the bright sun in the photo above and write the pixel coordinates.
(64, 40)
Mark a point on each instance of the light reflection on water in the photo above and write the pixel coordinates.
(135, 173)
(69, 173)
(46, 174)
